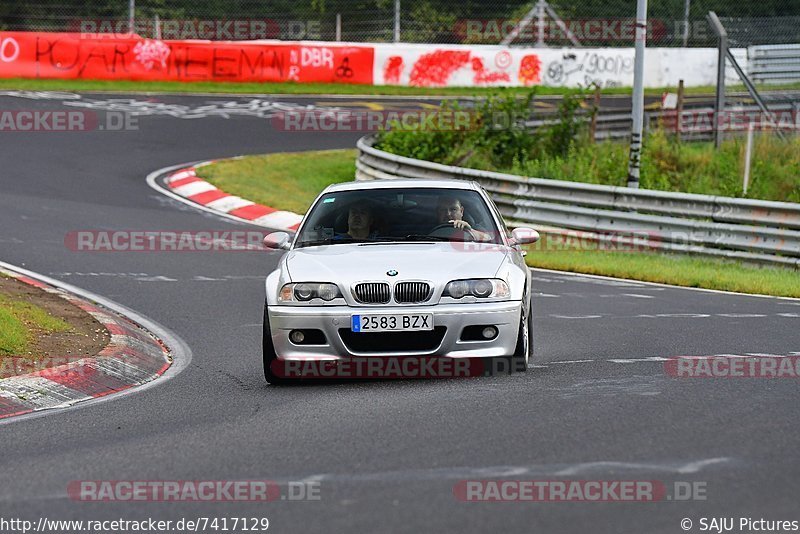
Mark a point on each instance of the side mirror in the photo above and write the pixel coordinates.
(277, 240)
(524, 236)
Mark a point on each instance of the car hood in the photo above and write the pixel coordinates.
(437, 262)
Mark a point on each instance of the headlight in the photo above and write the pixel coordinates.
(481, 288)
(307, 291)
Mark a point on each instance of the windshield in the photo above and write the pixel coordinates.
(401, 214)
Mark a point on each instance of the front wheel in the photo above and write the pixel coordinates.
(271, 361)
(524, 351)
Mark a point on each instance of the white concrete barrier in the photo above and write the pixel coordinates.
(481, 65)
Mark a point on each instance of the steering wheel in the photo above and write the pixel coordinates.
(448, 230)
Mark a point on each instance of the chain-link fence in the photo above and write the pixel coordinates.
(748, 31)
(605, 23)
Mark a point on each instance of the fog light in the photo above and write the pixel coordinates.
(489, 332)
(297, 336)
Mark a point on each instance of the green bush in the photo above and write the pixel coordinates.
(498, 141)
(497, 137)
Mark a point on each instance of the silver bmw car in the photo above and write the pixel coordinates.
(405, 270)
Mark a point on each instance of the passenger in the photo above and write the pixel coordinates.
(360, 220)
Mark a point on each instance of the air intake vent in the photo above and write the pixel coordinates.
(409, 292)
(372, 293)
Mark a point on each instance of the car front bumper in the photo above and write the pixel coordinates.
(505, 316)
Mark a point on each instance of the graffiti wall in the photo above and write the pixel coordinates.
(436, 66)
(73, 55)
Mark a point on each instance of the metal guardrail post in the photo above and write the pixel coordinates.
(132, 16)
(595, 113)
(679, 112)
(396, 21)
(637, 99)
(722, 35)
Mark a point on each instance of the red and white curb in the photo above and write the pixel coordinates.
(185, 183)
(132, 358)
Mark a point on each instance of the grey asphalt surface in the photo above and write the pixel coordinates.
(386, 454)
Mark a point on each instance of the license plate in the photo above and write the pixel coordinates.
(391, 323)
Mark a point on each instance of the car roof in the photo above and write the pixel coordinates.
(366, 185)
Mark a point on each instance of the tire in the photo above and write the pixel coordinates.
(268, 352)
(524, 351)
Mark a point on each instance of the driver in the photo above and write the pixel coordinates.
(449, 210)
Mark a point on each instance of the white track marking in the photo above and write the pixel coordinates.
(608, 467)
(575, 316)
(660, 359)
(639, 360)
(675, 316)
(688, 468)
(739, 315)
(656, 284)
(156, 279)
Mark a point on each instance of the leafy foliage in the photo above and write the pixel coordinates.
(498, 137)
(499, 141)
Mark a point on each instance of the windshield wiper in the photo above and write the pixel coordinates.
(425, 237)
(331, 241)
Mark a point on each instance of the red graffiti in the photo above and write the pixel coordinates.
(393, 70)
(530, 69)
(482, 75)
(71, 55)
(435, 69)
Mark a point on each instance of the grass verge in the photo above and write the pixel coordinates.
(21, 321)
(126, 86)
(291, 181)
(39, 329)
(675, 269)
(684, 167)
(287, 181)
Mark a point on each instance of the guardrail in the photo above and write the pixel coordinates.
(774, 63)
(752, 230)
(696, 123)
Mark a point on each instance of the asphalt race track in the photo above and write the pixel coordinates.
(598, 405)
